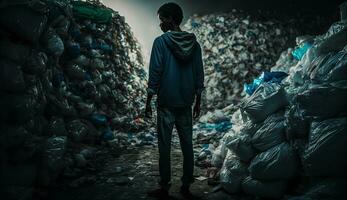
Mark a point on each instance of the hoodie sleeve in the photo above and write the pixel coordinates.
(199, 80)
(155, 68)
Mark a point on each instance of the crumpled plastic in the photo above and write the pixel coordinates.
(272, 77)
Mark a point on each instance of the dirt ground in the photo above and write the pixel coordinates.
(130, 174)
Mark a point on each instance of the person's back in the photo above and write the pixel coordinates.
(176, 56)
(176, 76)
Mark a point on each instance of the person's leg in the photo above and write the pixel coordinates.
(165, 123)
(184, 127)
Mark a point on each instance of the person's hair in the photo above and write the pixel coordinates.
(171, 10)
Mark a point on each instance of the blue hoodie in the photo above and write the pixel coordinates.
(176, 71)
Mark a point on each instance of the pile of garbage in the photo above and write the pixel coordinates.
(238, 46)
(70, 72)
(288, 137)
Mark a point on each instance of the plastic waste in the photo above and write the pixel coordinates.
(272, 77)
(77, 130)
(54, 43)
(326, 150)
(220, 127)
(332, 67)
(270, 134)
(56, 148)
(56, 126)
(242, 147)
(107, 134)
(232, 173)
(297, 126)
(311, 105)
(267, 99)
(98, 119)
(88, 11)
(279, 162)
(264, 189)
(300, 51)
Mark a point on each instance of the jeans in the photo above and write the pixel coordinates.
(182, 119)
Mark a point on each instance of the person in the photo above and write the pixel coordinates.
(176, 76)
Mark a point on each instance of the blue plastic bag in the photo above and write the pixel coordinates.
(220, 127)
(98, 119)
(272, 77)
(107, 134)
(300, 51)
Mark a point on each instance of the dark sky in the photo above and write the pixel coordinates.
(141, 14)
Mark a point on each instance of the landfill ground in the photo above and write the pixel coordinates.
(139, 174)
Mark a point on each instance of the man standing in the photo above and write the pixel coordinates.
(176, 76)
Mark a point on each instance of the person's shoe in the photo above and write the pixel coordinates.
(159, 193)
(185, 192)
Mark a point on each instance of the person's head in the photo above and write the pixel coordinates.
(170, 16)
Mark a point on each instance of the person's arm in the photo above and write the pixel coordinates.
(154, 78)
(199, 83)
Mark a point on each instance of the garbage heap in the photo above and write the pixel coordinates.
(70, 72)
(237, 46)
(288, 139)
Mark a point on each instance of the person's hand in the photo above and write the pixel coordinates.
(196, 111)
(148, 111)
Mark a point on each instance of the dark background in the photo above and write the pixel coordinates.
(141, 14)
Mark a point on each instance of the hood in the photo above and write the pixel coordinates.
(181, 44)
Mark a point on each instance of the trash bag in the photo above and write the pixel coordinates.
(300, 51)
(73, 49)
(86, 10)
(326, 151)
(23, 22)
(98, 119)
(11, 77)
(13, 51)
(36, 63)
(324, 189)
(218, 155)
(333, 67)
(333, 43)
(75, 72)
(232, 173)
(264, 189)
(62, 27)
(60, 106)
(242, 147)
(311, 103)
(272, 77)
(249, 128)
(81, 60)
(85, 109)
(216, 116)
(267, 99)
(56, 127)
(279, 162)
(54, 44)
(297, 126)
(77, 130)
(56, 149)
(270, 134)
(107, 134)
